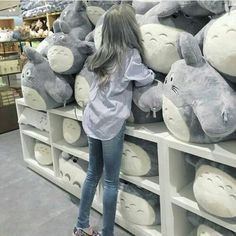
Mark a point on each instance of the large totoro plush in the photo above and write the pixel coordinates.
(42, 88)
(68, 54)
(76, 17)
(219, 47)
(198, 104)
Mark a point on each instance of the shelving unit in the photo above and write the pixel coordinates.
(173, 185)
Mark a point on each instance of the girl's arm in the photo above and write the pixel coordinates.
(136, 71)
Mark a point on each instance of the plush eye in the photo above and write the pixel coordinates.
(28, 73)
(165, 81)
(187, 16)
(61, 37)
(171, 78)
(175, 15)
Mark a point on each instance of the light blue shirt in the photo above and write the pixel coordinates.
(109, 107)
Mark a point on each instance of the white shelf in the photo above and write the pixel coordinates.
(42, 136)
(70, 111)
(149, 183)
(80, 152)
(224, 152)
(185, 199)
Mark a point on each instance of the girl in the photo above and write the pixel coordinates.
(117, 65)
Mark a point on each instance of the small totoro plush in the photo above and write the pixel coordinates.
(218, 42)
(68, 54)
(76, 17)
(214, 187)
(138, 206)
(42, 88)
(198, 104)
(205, 227)
(42, 153)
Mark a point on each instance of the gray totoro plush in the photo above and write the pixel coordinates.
(214, 187)
(147, 102)
(217, 40)
(42, 88)
(67, 55)
(138, 206)
(198, 104)
(140, 157)
(206, 227)
(191, 8)
(76, 17)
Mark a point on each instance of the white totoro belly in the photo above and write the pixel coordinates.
(174, 120)
(94, 13)
(33, 99)
(135, 161)
(42, 154)
(220, 46)
(215, 191)
(81, 91)
(71, 130)
(135, 209)
(204, 230)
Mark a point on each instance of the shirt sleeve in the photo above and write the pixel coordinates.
(136, 71)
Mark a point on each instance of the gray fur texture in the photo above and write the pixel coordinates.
(198, 104)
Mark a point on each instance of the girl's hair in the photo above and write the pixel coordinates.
(120, 31)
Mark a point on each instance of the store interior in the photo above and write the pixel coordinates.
(177, 174)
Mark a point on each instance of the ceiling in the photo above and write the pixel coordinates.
(7, 4)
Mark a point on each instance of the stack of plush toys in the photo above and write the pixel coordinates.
(191, 47)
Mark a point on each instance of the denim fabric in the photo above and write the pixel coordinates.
(103, 155)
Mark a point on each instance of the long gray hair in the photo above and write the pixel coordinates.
(120, 31)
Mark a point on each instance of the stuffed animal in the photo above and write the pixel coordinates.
(73, 133)
(143, 6)
(6, 35)
(198, 104)
(76, 17)
(42, 153)
(147, 102)
(197, 8)
(42, 88)
(72, 171)
(139, 157)
(219, 48)
(138, 206)
(214, 187)
(68, 54)
(206, 227)
(83, 82)
(34, 118)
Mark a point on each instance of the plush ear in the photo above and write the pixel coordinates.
(86, 48)
(79, 5)
(165, 8)
(189, 50)
(65, 28)
(56, 26)
(33, 56)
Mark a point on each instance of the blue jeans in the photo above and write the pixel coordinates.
(102, 154)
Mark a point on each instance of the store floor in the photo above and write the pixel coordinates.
(29, 204)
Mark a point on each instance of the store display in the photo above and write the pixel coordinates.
(147, 102)
(138, 206)
(42, 88)
(73, 171)
(83, 82)
(6, 35)
(198, 104)
(73, 133)
(191, 8)
(214, 187)
(67, 54)
(34, 118)
(21, 32)
(219, 48)
(76, 17)
(206, 227)
(139, 158)
(42, 153)
(143, 6)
